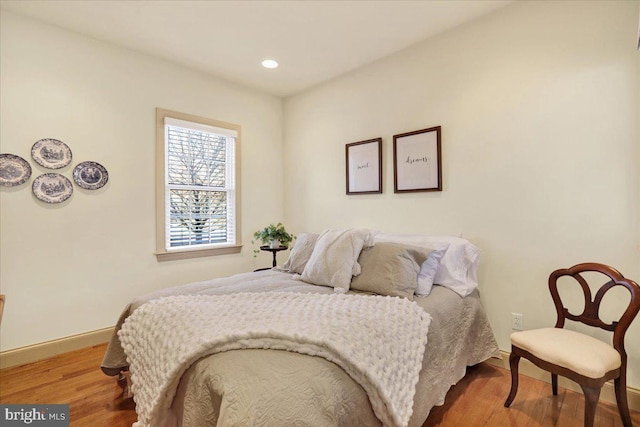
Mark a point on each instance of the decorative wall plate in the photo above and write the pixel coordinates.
(51, 153)
(14, 170)
(52, 188)
(90, 175)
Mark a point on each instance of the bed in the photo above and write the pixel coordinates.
(251, 384)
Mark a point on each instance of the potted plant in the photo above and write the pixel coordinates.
(274, 236)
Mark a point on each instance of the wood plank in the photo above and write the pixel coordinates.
(477, 400)
(75, 378)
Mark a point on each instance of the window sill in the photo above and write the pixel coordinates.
(197, 253)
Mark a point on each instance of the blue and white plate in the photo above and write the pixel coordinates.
(14, 170)
(90, 175)
(52, 188)
(51, 153)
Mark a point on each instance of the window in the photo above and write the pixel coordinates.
(197, 194)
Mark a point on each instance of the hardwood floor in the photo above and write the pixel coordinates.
(96, 401)
(74, 378)
(478, 399)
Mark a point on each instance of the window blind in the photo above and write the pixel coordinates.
(200, 185)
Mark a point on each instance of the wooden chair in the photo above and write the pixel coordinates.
(581, 358)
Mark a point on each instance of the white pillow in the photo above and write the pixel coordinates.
(335, 258)
(428, 272)
(300, 253)
(458, 269)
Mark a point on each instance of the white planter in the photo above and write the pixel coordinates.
(274, 244)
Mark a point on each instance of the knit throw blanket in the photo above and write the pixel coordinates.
(379, 341)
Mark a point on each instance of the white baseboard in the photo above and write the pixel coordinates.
(529, 369)
(33, 353)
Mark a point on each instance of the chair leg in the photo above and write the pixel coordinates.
(514, 360)
(554, 384)
(621, 397)
(591, 396)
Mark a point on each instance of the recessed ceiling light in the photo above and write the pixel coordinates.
(270, 63)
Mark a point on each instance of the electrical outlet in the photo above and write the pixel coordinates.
(517, 321)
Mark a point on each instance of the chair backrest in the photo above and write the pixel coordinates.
(590, 315)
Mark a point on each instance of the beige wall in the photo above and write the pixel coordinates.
(71, 268)
(539, 110)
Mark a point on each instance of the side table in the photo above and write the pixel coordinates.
(274, 251)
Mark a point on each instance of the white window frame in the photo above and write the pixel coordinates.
(163, 251)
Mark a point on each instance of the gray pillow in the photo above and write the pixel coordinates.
(301, 252)
(390, 269)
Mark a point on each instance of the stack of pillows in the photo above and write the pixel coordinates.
(401, 265)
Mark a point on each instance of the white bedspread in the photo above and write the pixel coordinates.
(378, 341)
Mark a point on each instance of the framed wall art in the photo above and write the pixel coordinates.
(364, 167)
(417, 164)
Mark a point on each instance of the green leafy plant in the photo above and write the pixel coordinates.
(270, 233)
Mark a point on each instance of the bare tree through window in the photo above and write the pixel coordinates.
(197, 180)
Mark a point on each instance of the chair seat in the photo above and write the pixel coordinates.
(580, 353)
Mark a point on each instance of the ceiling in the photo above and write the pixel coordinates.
(313, 41)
